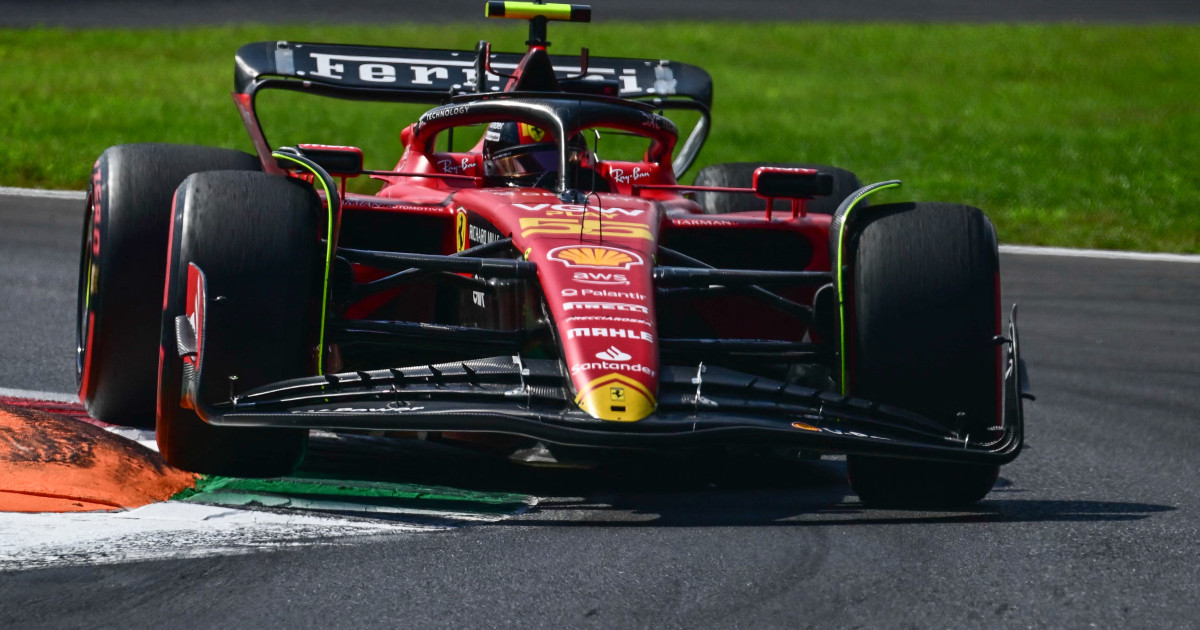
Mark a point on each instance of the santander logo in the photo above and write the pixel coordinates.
(613, 354)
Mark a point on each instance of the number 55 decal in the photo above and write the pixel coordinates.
(587, 227)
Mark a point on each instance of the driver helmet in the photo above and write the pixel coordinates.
(523, 153)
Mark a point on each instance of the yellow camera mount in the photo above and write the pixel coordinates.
(538, 14)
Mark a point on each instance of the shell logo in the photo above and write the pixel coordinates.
(595, 256)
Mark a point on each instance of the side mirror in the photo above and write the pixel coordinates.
(337, 161)
(772, 182)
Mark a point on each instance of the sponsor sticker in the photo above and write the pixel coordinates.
(454, 110)
(599, 277)
(611, 333)
(618, 175)
(702, 223)
(529, 133)
(359, 203)
(622, 366)
(482, 235)
(595, 256)
(447, 165)
(574, 209)
(418, 71)
(460, 231)
(606, 306)
(604, 293)
(609, 319)
(614, 354)
(583, 226)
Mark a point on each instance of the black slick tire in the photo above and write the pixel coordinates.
(741, 175)
(123, 256)
(922, 323)
(255, 238)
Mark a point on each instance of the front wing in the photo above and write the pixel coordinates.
(698, 405)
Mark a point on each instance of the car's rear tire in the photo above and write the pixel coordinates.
(255, 237)
(741, 175)
(121, 267)
(923, 320)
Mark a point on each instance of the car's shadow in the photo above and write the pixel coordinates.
(701, 489)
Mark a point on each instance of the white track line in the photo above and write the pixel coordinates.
(1028, 250)
(1021, 250)
(173, 530)
(37, 395)
(38, 193)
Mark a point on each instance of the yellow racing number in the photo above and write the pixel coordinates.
(585, 227)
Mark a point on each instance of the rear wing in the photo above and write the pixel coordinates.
(421, 75)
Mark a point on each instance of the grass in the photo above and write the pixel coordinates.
(1066, 135)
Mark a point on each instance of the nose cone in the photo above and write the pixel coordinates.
(596, 267)
(602, 299)
(616, 397)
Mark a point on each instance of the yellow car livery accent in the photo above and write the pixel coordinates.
(578, 227)
(616, 397)
(461, 241)
(530, 10)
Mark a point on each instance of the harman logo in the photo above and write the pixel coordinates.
(596, 256)
(613, 354)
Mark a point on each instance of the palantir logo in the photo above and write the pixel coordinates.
(613, 354)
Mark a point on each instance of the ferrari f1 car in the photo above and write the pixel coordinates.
(528, 286)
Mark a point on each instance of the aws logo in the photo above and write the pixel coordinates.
(599, 277)
(595, 256)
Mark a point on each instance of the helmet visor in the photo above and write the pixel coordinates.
(532, 159)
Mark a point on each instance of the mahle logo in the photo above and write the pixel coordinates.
(596, 256)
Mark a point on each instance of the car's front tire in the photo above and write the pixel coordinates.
(923, 321)
(255, 238)
(122, 259)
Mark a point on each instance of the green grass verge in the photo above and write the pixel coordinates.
(1066, 135)
(311, 490)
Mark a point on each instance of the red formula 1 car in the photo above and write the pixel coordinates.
(528, 286)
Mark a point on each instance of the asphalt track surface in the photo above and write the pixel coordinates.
(1096, 524)
(1098, 521)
